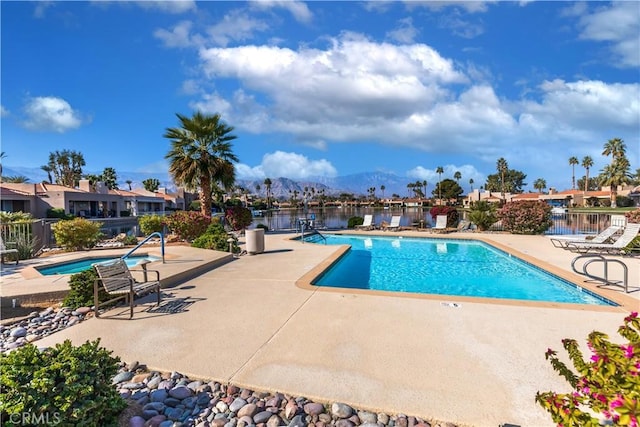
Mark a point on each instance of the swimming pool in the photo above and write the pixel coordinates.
(445, 267)
(84, 264)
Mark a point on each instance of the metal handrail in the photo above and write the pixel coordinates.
(605, 279)
(156, 233)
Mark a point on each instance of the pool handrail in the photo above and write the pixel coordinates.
(155, 233)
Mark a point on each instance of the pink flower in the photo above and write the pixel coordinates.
(628, 350)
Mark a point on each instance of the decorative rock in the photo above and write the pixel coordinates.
(313, 408)
(221, 406)
(122, 377)
(367, 417)
(290, 409)
(341, 410)
(159, 395)
(274, 421)
(344, 423)
(18, 332)
(262, 417)
(298, 421)
(180, 392)
(237, 404)
(247, 410)
(85, 310)
(136, 421)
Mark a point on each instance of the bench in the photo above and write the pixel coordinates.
(4, 250)
(116, 279)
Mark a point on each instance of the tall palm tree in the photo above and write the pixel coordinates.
(424, 184)
(587, 163)
(382, 188)
(439, 171)
(267, 185)
(201, 155)
(48, 170)
(129, 182)
(573, 161)
(471, 181)
(457, 176)
(540, 184)
(615, 174)
(502, 167)
(616, 148)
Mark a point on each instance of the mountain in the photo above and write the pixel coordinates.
(357, 184)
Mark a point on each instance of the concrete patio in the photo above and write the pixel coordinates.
(253, 322)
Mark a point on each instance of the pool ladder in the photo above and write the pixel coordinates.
(157, 233)
(597, 258)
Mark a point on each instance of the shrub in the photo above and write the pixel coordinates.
(6, 217)
(151, 224)
(483, 214)
(26, 246)
(633, 216)
(355, 220)
(187, 225)
(128, 240)
(76, 234)
(263, 226)
(624, 201)
(81, 290)
(526, 217)
(607, 384)
(238, 217)
(64, 385)
(215, 238)
(449, 211)
(58, 213)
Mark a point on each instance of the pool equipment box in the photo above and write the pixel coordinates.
(255, 241)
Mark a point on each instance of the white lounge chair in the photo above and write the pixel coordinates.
(394, 224)
(4, 250)
(441, 224)
(602, 237)
(616, 248)
(367, 224)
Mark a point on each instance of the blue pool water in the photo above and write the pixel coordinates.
(445, 267)
(84, 264)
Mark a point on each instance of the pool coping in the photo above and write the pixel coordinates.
(625, 302)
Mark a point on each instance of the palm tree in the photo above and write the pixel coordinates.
(471, 181)
(502, 167)
(129, 182)
(267, 185)
(573, 161)
(457, 176)
(439, 171)
(382, 188)
(540, 184)
(201, 155)
(48, 169)
(587, 162)
(17, 179)
(616, 148)
(614, 175)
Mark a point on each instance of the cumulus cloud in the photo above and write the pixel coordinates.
(298, 9)
(617, 24)
(178, 36)
(50, 114)
(235, 26)
(405, 32)
(291, 165)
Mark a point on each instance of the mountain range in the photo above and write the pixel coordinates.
(357, 184)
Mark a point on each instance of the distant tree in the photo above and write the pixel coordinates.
(514, 181)
(573, 161)
(66, 166)
(382, 188)
(267, 185)
(151, 184)
(48, 170)
(540, 184)
(636, 177)
(502, 167)
(448, 189)
(17, 179)
(593, 184)
(615, 173)
(587, 163)
(129, 182)
(424, 184)
(457, 176)
(471, 181)
(201, 155)
(439, 171)
(93, 180)
(110, 178)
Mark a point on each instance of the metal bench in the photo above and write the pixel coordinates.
(116, 279)
(4, 250)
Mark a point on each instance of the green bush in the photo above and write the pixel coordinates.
(187, 225)
(526, 217)
(483, 214)
(81, 290)
(215, 238)
(64, 385)
(263, 226)
(624, 201)
(355, 220)
(58, 213)
(6, 217)
(128, 240)
(77, 234)
(26, 246)
(151, 224)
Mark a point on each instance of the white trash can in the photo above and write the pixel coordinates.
(255, 241)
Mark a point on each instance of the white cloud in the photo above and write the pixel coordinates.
(3, 111)
(467, 6)
(178, 36)
(236, 26)
(50, 114)
(291, 165)
(298, 9)
(41, 8)
(617, 24)
(169, 6)
(405, 32)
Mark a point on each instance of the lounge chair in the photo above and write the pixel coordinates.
(441, 224)
(367, 224)
(616, 248)
(4, 250)
(394, 225)
(602, 237)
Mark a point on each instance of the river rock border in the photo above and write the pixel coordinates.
(173, 400)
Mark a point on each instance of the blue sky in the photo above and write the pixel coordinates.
(326, 88)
